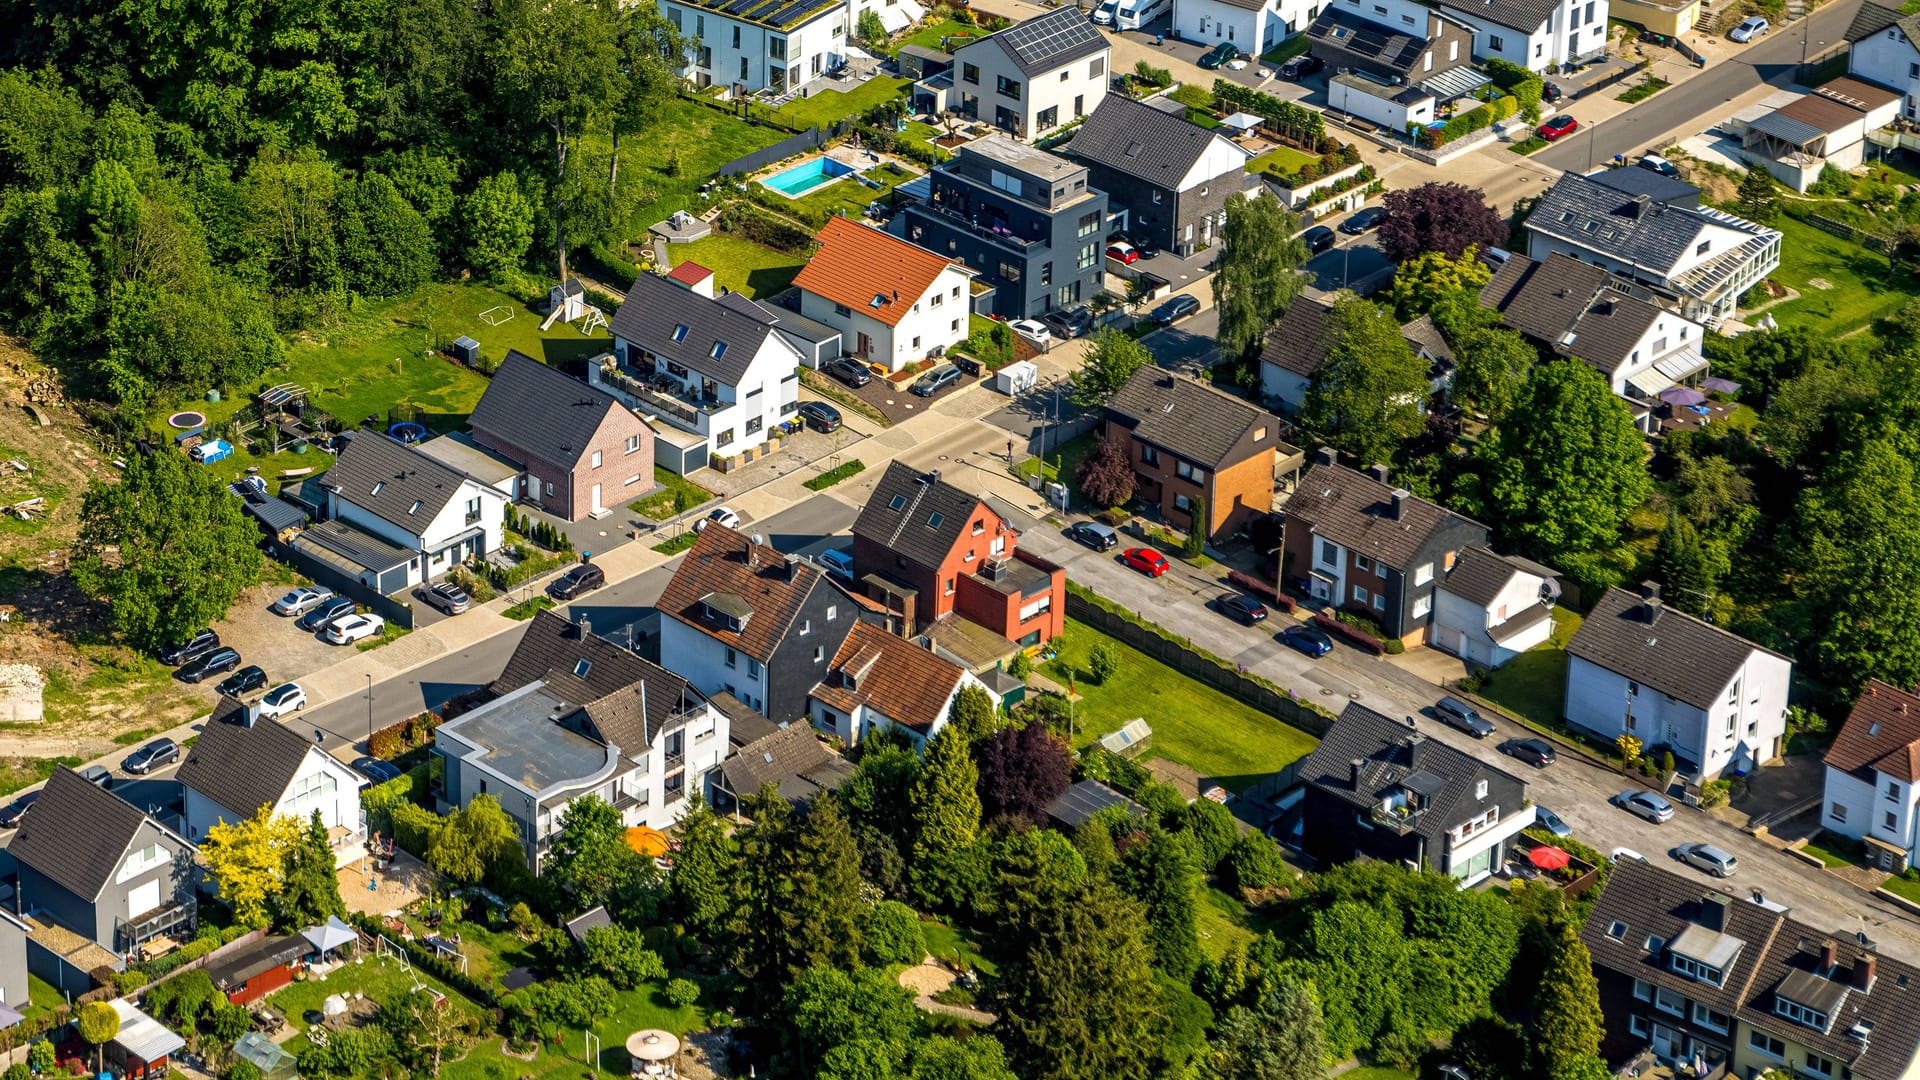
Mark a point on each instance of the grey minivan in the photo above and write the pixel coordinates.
(1458, 714)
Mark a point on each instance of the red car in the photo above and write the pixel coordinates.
(1145, 560)
(1122, 252)
(1558, 126)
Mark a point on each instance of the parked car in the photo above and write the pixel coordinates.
(1551, 92)
(1242, 608)
(352, 628)
(849, 371)
(581, 579)
(1145, 560)
(193, 648)
(1122, 252)
(16, 811)
(1069, 322)
(839, 563)
(720, 515)
(1301, 66)
(1310, 640)
(1461, 716)
(1219, 56)
(376, 770)
(1751, 27)
(319, 617)
(251, 677)
(1318, 239)
(154, 755)
(98, 775)
(1093, 534)
(936, 380)
(1366, 218)
(1622, 853)
(1174, 310)
(1656, 163)
(820, 416)
(218, 662)
(301, 600)
(1535, 752)
(1557, 126)
(283, 699)
(1645, 804)
(1103, 15)
(1716, 861)
(1551, 822)
(1033, 330)
(446, 596)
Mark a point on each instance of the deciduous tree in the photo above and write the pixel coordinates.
(472, 840)
(1258, 274)
(1439, 216)
(246, 860)
(1278, 1039)
(1103, 662)
(941, 1057)
(1491, 368)
(1022, 770)
(1105, 476)
(98, 1022)
(1860, 565)
(620, 955)
(1111, 358)
(589, 858)
(499, 225)
(1432, 278)
(1367, 397)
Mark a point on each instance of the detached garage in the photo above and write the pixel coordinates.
(1491, 608)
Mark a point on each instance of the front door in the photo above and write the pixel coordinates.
(596, 497)
(866, 345)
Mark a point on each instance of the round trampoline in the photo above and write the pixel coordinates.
(185, 420)
(407, 431)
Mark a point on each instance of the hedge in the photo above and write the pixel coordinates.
(1353, 635)
(414, 828)
(396, 739)
(1469, 122)
(1268, 595)
(1288, 118)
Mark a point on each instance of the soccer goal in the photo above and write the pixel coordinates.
(496, 315)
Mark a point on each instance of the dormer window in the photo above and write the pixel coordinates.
(1480, 789)
(1799, 1013)
(1695, 970)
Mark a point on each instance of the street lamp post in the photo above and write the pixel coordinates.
(369, 714)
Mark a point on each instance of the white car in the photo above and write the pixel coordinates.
(301, 600)
(348, 629)
(722, 516)
(1033, 330)
(1751, 27)
(283, 699)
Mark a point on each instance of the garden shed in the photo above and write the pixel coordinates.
(264, 1054)
(466, 350)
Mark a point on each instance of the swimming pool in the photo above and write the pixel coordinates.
(806, 176)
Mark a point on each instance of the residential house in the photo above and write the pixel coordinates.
(1539, 35)
(1827, 127)
(1378, 99)
(404, 501)
(1191, 444)
(1715, 699)
(1398, 40)
(1884, 48)
(1696, 260)
(1376, 788)
(741, 618)
(241, 763)
(1658, 187)
(929, 552)
(1491, 608)
(894, 303)
(1253, 26)
(880, 681)
(98, 879)
(1674, 18)
(1173, 177)
(1296, 346)
(1573, 308)
(1353, 540)
(1027, 222)
(579, 447)
(1873, 768)
(1035, 76)
(791, 758)
(713, 369)
(780, 46)
(574, 714)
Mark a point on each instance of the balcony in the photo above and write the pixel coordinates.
(1397, 817)
(661, 395)
(675, 761)
(628, 800)
(179, 915)
(1002, 236)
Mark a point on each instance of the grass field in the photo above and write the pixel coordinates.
(933, 35)
(1287, 50)
(1194, 725)
(740, 265)
(1224, 922)
(687, 146)
(680, 496)
(1859, 285)
(1831, 849)
(1534, 684)
(1062, 460)
(947, 943)
(1280, 159)
(830, 106)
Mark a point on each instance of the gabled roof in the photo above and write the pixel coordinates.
(726, 575)
(878, 275)
(1187, 417)
(1356, 511)
(542, 409)
(1298, 341)
(888, 673)
(1676, 654)
(1872, 18)
(77, 834)
(1140, 141)
(1574, 308)
(1393, 755)
(1639, 231)
(1523, 15)
(793, 759)
(244, 768)
(393, 481)
(1882, 734)
(1478, 575)
(680, 325)
(1046, 42)
(1656, 186)
(1644, 906)
(625, 698)
(1340, 29)
(918, 515)
(1424, 333)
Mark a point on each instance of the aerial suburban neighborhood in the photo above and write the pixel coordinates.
(960, 540)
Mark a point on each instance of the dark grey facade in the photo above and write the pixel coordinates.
(1028, 222)
(1172, 177)
(109, 918)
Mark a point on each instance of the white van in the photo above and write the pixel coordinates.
(1134, 14)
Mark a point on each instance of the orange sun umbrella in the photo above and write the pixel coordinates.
(1546, 858)
(647, 841)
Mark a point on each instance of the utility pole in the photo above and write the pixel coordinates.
(369, 714)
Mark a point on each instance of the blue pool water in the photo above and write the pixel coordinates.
(806, 176)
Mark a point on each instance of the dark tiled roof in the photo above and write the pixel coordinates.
(243, 768)
(930, 518)
(1356, 511)
(76, 834)
(1524, 15)
(1795, 969)
(1642, 901)
(1678, 655)
(1656, 186)
(726, 571)
(1140, 141)
(1046, 42)
(542, 409)
(1571, 307)
(393, 481)
(1192, 419)
(1351, 34)
(792, 758)
(655, 308)
(1882, 733)
(1631, 229)
(611, 688)
(1298, 342)
(1423, 333)
(1872, 18)
(1393, 756)
(744, 724)
(906, 683)
(1478, 575)
(357, 546)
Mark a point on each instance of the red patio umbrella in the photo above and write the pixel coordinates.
(1548, 858)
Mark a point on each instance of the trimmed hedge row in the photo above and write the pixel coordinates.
(420, 956)
(1290, 119)
(1469, 122)
(1352, 635)
(1268, 595)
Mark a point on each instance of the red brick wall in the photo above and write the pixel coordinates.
(572, 496)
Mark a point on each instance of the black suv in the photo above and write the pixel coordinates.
(194, 647)
(1301, 66)
(218, 662)
(251, 677)
(583, 578)
(325, 613)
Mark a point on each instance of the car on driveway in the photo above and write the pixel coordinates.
(1219, 56)
(1658, 164)
(319, 617)
(1557, 126)
(1551, 92)
(248, 678)
(1242, 608)
(719, 515)
(448, 597)
(16, 811)
(935, 381)
(1145, 560)
(1645, 804)
(301, 600)
(820, 416)
(283, 699)
(1363, 220)
(1033, 330)
(1301, 66)
(1174, 310)
(98, 775)
(1461, 716)
(1307, 639)
(583, 578)
(1551, 822)
(1069, 322)
(1751, 27)
(1716, 861)
(1319, 239)
(849, 371)
(377, 770)
(154, 755)
(352, 628)
(1535, 752)
(839, 563)
(1103, 15)
(1123, 252)
(193, 648)
(218, 662)
(1620, 854)
(1093, 534)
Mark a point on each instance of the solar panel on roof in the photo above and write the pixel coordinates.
(739, 7)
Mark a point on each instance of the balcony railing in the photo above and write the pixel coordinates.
(1400, 819)
(627, 800)
(130, 934)
(662, 394)
(674, 761)
(998, 236)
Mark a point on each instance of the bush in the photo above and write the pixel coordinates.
(1254, 862)
(1715, 794)
(414, 828)
(1103, 662)
(894, 935)
(1352, 635)
(681, 993)
(1193, 97)
(1152, 76)
(1395, 647)
(380, 799)
(20, 1071)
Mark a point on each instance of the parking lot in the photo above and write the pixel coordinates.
(270, 640)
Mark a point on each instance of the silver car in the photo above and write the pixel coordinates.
(1716, 861)
(1645, 804)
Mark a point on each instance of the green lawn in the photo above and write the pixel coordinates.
(1901, 887)
(1377, 1072)
(680, 496)
(41, 997)
(1202, 117)
(739, 264)
(1062, 460)
(1863, 288)
(1224, 922)
(1834, 850)
(681, 152)
(1528, 145)
(1280, 159)
(830, 106)
(490, 953)
(1193, 725)
(933, 35)
(1534, 684)
(1287, 50)
(949, 944)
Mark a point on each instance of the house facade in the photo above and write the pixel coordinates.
(766, 45)
(441, 517)
(1377, 788)
(580, 449)
(1254, 26)
(1173, 177)
(1715, 699)
(1827, 127)
(1399, 40)
(1025, 221)
(1539, 35)
(1884, 51)
(1872, 771)
(1034, 76)
(242, 763)
(894, 303)
(1491, 608)
(1297, 344)
(881, 681)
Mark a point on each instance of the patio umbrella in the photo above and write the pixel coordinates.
(652, 1044)
(335, 1005)
(649, 842)
(1548, 858)
(1682, 396)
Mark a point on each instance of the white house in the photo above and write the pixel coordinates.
(1255, 26)
(440, 515)
(1873, 776)
(893, 302)
(1827, 127)
(242, 763)
(1715, 699)
(770, 44)
(1539, 35)
(881, 680)
(714, 368)
(1491, 608)
(1036, 75)
(1394, 106)
(1886, 50)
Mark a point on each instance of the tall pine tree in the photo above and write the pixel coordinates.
(1680, 563)
(946, 819)
(1565, 1040)
(703, 872)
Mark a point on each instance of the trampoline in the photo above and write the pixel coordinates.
(407, 431)
(185, 420)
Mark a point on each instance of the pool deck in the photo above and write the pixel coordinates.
(843, 153)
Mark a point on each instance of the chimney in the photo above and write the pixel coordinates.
(1401, 497)
(932, 477)
(1650, 595)
(1328, 456)
(1378, 472)
(1864, 969)
(1354, 768)
(1641, 204)
(582, 627)
(1829, 955)
(1713, 911)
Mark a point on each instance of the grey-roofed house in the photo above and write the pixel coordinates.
(1659, 187)
(1296, 345)
(1398, 39)
(1539, 35)
(241, 763)
(405, 500)
(1825, 128)
(1885, 49)
(1173, 177)
(1491, 608)
(1376, 787)
(791, 758)
(1715, 699)
(574, 714)
(1192, 444)
(1353, 540)
(579, 448)
(1695, 260)
(1034, 76)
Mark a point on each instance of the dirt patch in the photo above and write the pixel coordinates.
(1715, 188)
(1819, 283)
(926, 980)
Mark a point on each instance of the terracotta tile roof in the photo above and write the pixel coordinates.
(869, 271)
(1882, 734)
(726, 572)
(690, 273)
(890, 674)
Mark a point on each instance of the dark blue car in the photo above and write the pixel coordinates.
(1314, 643)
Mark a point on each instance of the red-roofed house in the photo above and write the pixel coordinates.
(892, 302)
(1873, 769)
(693, 276)
(880, 680)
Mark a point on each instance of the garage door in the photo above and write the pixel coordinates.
(144, 898)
